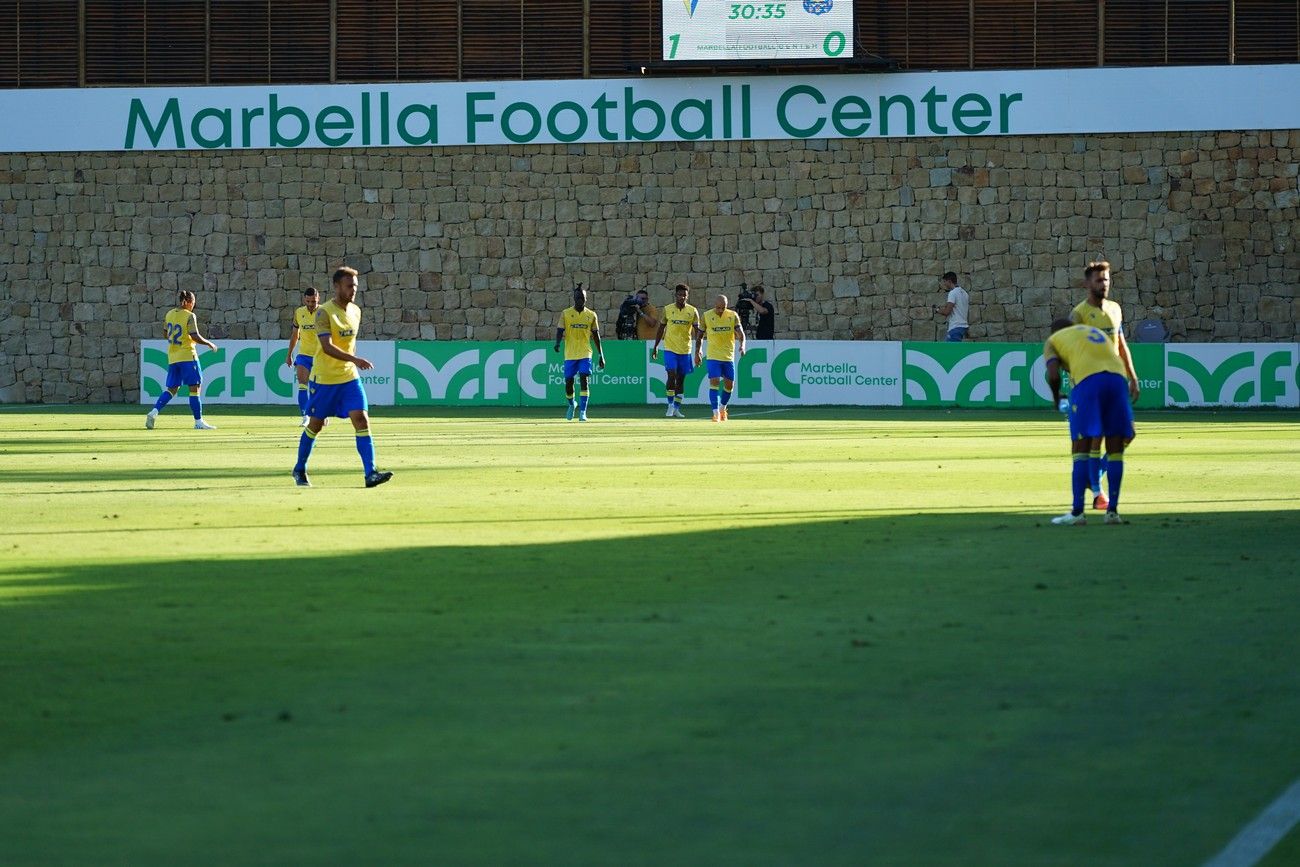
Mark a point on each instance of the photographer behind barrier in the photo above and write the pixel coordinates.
(957, 308)
(755, 301)
(638, 319)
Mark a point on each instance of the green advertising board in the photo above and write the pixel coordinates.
(1002, 375)
(514, 373)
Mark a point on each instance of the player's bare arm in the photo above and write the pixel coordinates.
(659, 335)
(559, 335)
(199, 338)
(293, 341)
(1134, 390)
(1054, 380)
(595, 338)
(327, 346)
(740, 336)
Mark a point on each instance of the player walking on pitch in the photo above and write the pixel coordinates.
(1104, 314)
(722, 331)
(338, 390)
(303, 336)
(181, 330)
(579, 329)
(1099, 405)
(678, 328)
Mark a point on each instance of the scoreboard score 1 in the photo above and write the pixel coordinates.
(725, 30)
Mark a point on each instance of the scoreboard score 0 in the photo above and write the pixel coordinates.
(725, 30)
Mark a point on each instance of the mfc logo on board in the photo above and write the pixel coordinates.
(237, 372)
(990, 375)
(443, 373)
(1225, 374)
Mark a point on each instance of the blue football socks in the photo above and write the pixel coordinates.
(302, 397)
(196, 406)
(582, 401)
(162, 400)
(1094, 471)
(1115, 475)
(366, 448)
(713, 399)
(726, 394)
(305, 442)
(1080, 481)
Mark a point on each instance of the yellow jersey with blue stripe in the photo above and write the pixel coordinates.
(178, 326)
(678, 326)
(1083, 350)
(578, 327)
(341, 324)
(305, 321)
(1107, 318)
(720, 332)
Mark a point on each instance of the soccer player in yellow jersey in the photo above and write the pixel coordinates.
(1100, 312)
(181, 330)
(303, 336)
(1100, 407)
(338, 390)
(579, 329)
(1105, 315)
(679, 327)
(722, 331)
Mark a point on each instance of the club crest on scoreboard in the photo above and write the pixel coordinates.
(817, 7)
(691, 4)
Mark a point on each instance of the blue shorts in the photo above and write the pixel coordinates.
(302, 361)
(575, 366)
(336, 400)
(184, 373)
(678, 362)
(1100, 407)
(957, 335)
(721, 369)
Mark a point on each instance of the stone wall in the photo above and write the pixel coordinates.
(484, 243)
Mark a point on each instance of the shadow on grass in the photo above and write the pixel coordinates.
(936, 689)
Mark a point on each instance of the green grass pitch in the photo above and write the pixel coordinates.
(803, 637)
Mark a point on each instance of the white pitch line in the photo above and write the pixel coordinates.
(1255, 840)
(760, 412)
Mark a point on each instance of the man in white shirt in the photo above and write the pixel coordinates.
(957, 308)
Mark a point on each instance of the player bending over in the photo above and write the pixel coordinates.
(1099, 405)
(338, 390)
(578, 329)
(181, 330)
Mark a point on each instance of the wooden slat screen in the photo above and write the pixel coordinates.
(48, 43)
(428, 44)
(1066, 33)
(115, 42)
(552, 39)
(939, 34)
(300, 41)
(147, 42)
(1135, 32)
(1268, 31)
(1198, 31)
(624, 35)
(1004, 34)
(176, 42)
(238, 43)
(492, 39)
(882, 29)
(367, 40)
(8, 43)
